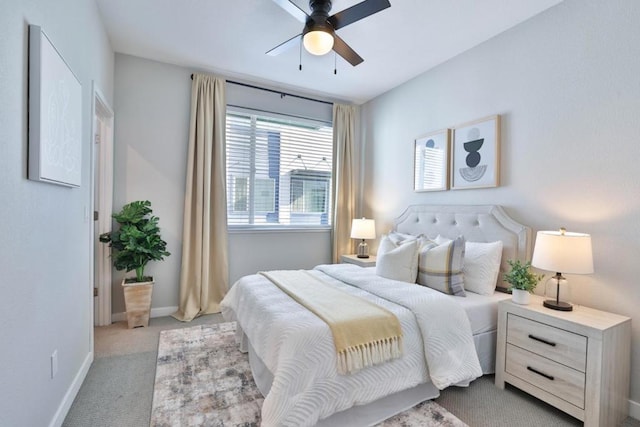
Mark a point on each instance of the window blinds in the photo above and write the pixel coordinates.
(278, 171)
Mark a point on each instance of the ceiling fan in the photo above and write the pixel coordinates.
(319, 33)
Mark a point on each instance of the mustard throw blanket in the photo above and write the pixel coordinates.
(363, 332)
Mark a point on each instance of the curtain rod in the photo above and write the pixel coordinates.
(281, 93)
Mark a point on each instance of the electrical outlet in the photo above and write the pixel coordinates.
(54, 363)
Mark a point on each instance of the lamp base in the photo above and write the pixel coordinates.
(557, 305)
(363, 250)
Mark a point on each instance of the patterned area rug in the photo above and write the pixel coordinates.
(202, 379)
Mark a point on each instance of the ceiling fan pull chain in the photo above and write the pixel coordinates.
(335, 63)
(300, 61)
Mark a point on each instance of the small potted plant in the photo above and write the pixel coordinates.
(135, 243)
(522, 281)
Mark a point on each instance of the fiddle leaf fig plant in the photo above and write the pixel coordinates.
(521, 277)
(137, 241)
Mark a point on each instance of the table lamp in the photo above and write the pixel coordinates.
(562, 252)
(363, 229)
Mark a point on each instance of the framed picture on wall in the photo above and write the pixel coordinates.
(431, 161)
(475, 154)
(55, 115)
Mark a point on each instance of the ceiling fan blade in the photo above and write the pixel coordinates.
(293, 10)
(343, 49)
(357, 12)
(293, 41)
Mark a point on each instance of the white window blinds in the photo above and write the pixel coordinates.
(278, 171)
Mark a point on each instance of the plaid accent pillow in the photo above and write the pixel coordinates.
(440, 266)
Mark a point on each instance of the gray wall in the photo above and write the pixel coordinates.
(566, 84)
(152, 103)
(45, 240)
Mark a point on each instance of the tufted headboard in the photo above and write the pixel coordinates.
(487, 223)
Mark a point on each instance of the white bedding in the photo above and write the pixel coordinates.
(297, 347)
(482, 310)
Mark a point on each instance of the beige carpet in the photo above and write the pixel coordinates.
(117, 340)
(203, 379)
(118, 389)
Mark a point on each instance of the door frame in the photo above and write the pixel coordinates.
(101, 183)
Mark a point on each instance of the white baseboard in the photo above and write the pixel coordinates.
(634, 409)
(71, 393)
(155, 312)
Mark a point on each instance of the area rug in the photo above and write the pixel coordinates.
(202, 379)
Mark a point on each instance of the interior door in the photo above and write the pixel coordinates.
(102, 206)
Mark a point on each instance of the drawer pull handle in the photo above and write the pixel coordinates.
(542, 340)
(535, 371)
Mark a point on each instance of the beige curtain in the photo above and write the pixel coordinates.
(204, 275)
(344, 182)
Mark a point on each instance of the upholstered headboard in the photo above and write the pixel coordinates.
(476, 223)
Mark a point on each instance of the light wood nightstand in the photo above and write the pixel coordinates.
(362, 262)
(577, 361)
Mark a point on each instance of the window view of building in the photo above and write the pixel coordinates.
(278, 171)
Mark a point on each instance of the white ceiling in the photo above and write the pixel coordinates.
(230, 37)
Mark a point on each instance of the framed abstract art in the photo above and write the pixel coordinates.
(431, 161)
(55, 115)
(475, 158)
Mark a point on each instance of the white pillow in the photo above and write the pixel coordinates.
(482, 266)
(397, 262)
(440, 266)
(440, 239)
(399, 238)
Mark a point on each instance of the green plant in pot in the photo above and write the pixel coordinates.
(522, 280)
(136, 242)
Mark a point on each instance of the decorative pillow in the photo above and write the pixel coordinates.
(397, 262)
(482, 266)
(440, 266)
(399, 238)
(440, 239)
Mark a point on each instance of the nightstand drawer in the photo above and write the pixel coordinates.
(562, 346)
(561, 381)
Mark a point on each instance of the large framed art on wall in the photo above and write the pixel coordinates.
(55, 115)
(475, 159)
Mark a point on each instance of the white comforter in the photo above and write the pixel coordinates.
(297, 346)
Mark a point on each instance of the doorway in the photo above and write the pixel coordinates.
(102, 148)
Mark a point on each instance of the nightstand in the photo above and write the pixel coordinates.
(362, 262)
(577, 361)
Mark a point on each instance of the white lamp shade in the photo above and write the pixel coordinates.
(563, 252)
(363, 229)
(318, 42)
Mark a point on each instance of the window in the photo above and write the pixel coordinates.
(278, 171)
(309, 192)
(240, 193)
(264, 194)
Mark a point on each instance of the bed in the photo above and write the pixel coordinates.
(447, 340)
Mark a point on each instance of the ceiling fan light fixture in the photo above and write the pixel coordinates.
(319, 34)
(318, 41)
